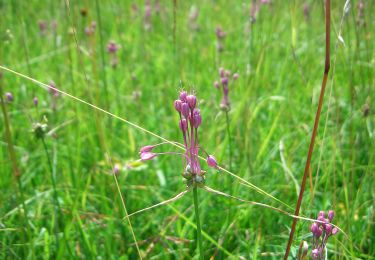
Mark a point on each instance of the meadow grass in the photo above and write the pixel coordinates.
(280, 60)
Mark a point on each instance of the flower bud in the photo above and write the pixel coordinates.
(185, 110)
(318, 232)
(211, 161)
(183, 95)
(334, 231)
(315, 253)
(9, 97)
(235, 76)
(321, 213)
(197, 120)
(146, 149)
(227, 73)
(53, 89)
(331, 214)
(192, 101)
(224, 81)
(35, 100)
(116, 169)
(183, 125)
(328, 229)
(322, 219)
(216, 84)
(148, 156)
(221, 72)
(112, 47)
(226, 91)
(177, 105)
(314, 227)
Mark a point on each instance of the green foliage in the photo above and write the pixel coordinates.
(280, 60)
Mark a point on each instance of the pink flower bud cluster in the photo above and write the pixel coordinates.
(225, 76)
(322, 229)
(43, 27)
(90, 30)
(112, 49)
(52, 88)
(9, 97)
(220, 36)
(147, 15)
(190, 121)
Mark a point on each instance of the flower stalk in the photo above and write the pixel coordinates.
(190, 121)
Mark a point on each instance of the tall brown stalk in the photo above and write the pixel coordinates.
(316, 124)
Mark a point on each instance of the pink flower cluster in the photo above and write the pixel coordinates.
(190, 121)
(322, 230)
(225, 80)
(112, 48)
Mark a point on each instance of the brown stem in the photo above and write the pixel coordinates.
(8, 137)
(12, 154)
(316, 124)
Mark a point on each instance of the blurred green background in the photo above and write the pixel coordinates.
(163, 47)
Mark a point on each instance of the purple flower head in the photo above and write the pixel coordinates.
(211, 161)
(216, 84)
(183, 125)
(321, 218)
(321, 233)
(53, 89)
(315, 253)
(221, 72)
(148, 11)
(9, 97)
(192, 101)
(42, 27)
(197, 118)
(220, 34)
(183, 96)
(112, 47)
(185, 110)
(148, 156)
(177, 105)
(90, 30)
(190, 120)
(116, 169)
(35, 100)
(146, 149)
(331, 214)
(328, 229)
(318, 232)
(314, 227)
(224, 81)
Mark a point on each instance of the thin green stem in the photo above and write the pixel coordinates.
(55, 195)
(199, 230)
(102, 52)
(229, 140)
